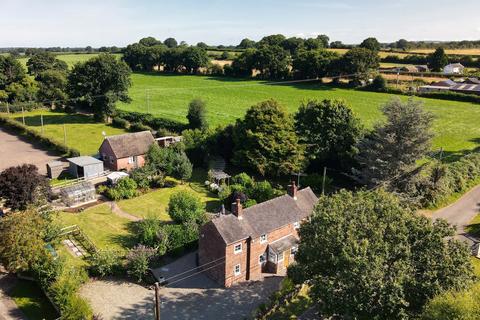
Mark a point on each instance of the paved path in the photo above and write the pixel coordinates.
(15, 151)
(8, 308)
(119, 212)
(460, 213)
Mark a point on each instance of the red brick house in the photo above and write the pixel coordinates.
(260, 239)
(126, 151)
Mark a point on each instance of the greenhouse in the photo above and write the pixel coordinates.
(79, 193)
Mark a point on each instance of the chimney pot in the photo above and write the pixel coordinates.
(292, 190)
(237, 208)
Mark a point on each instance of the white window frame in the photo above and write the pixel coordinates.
(264, 256)
(104, 156)
(111, 159)
(263, 238)
(130, 160)
(235, 250)
(296, 225)
(239, 272)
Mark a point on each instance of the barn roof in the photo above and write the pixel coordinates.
(265, 217)
(130, 144)
(83, 161)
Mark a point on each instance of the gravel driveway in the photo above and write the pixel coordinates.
(15, 151)
(194, 298)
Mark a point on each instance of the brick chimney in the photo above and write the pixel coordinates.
(292, 190)
(237, 209)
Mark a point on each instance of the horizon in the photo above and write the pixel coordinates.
(60, 24)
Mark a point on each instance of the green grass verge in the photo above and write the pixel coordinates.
(474, 226)
(155, 203)
(32, 301)
(456, 123)
(83, 132)
(104, 228)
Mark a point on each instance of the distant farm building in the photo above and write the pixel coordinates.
(453, 68)
(168, 140)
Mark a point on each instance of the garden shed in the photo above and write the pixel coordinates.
(55, 169)
(78, 193)
(85, 166)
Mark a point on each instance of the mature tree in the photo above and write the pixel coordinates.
(197, 114)
(313, 44)
(272, 40)
(243, 64)
(402, 44)
(43, 61)
(313, 63)
(330, 131)
(392, 149)
(246, 44)
(265, 141)
(21, 243)
(149, 41)
(173, 59)
(370, 44)
(367, 256)
(170, 42)
(23, 186)
(292, 44)
(202, 45)
(99, 83)
(337, 44)
(185, 206)
(52, 85)
(10, 71)
(272, 62)
(171, 161)
(437, 60)
(194, 58)
(360, 62)
(134, 55)
(23, 91)
(324, 39)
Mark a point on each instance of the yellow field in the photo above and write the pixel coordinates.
(472, 52)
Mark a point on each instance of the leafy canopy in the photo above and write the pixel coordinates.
(265, 141)
(367, 256)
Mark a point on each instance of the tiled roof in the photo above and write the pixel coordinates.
(130, 144)
(266, 216)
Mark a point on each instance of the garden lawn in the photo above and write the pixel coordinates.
(32, 301)
(155, 203)
(83, 132)
(456, 123)
(474, 227)
(104, 228)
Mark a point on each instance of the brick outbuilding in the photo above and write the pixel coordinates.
(260, 239)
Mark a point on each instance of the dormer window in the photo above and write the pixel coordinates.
(237, 248)
(263, 238)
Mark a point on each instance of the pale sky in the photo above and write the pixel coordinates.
(45, 23)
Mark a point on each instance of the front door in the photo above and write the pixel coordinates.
(286, 258)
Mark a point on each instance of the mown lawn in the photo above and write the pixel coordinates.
(104, 228)
(456, 123)
(83, 132)
(155, 203)
(30, 299)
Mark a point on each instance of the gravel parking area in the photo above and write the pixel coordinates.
(15, 151)
(196, 297)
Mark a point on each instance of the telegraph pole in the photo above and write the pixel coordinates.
(64, 135)
(8, 108)
(41, 120)
(148, 100)
(23, 116)
(323, 181)
(157, 301)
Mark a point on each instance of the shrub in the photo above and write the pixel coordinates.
(180, 236)
(185, 206)
(137, 126)
(143, 176)
(103, 263)
(147, 231)
(378, 84)
(197, 114)
(120, 123)
(138, 260)
(244, 180)
(216, 70)
(126, 188)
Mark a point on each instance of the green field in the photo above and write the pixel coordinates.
(456, 123)
(70, 58)
(82, 132)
